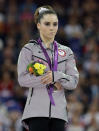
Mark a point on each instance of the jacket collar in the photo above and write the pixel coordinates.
(51, 46)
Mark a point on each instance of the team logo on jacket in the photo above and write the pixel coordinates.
(61, 52)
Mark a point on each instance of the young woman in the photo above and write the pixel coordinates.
(45, 108)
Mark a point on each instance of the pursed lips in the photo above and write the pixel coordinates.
(52, 32)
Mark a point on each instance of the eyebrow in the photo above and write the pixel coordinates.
(50, 22)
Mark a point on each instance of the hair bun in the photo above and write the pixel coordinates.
(40, 11)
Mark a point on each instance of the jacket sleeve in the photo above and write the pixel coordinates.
(26, 79)
(68, 80)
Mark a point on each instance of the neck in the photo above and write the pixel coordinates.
(47, 41)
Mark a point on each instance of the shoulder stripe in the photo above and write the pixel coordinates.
(27, 48)
(40, 58)
(62, 61)
(70, 54)
(33, 41)
(65, 79)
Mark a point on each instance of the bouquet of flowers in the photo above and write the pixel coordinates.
(36, 68)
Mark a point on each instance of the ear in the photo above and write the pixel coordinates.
(38, 26)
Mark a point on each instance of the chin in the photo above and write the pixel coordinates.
(51, 36)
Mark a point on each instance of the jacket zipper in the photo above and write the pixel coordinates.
(31, 95)
(53, 81)
(50, 111)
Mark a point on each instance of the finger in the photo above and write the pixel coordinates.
(46, 81)
(46, 77)
(49, 71)
(58, 86)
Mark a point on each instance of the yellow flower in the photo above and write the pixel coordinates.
(37, 66)
(42, 66)
(40, 71)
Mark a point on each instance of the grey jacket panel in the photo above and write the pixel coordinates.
(24, 78)
(69, 80)
(38, 101)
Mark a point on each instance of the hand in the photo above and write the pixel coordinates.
(58, 85)
(47, 79)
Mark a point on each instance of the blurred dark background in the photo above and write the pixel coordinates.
(78, 29)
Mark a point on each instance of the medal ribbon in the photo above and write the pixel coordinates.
(52, 67)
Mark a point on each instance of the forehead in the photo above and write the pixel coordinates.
(49, 18)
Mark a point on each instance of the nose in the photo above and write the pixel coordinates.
(51, 27)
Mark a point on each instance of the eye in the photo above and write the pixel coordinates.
(55, 24)
(47, 23)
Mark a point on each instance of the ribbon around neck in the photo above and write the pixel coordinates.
(52, 67)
